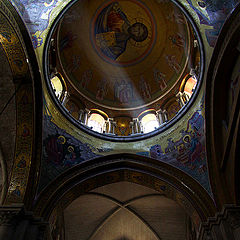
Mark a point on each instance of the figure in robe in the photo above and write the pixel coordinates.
(54, 149)
(113, 30)
(145, 89)
(123, 91)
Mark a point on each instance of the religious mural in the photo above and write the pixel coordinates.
(212, 13)
(13, 46)
(114, 27)
(23, 150)
(36, 14)
(123, 91)
(187, 153)
(130, 46)
(172, 107)
(61, 151)
(185, 150)
(73, 108)
(123, 126)
(114, 32)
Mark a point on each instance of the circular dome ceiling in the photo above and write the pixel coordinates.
(123, 57)
(124, 49)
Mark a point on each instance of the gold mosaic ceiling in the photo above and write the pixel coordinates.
(125, 54)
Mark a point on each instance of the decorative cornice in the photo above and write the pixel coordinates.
(222, 224)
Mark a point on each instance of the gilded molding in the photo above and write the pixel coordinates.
(14, 48)
(150, 173)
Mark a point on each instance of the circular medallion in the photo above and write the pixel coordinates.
(123, 32)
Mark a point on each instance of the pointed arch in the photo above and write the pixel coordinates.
(151, 173)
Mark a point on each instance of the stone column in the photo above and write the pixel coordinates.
(136, 126)
(105, 126)
(81, 115)
(139, 126)
(160, 116)
(65, 98)
(85, 116)
(225, 225)
(18, 224)
(132, 128)
(111, 126)
(110, 120)
(180, 99)
(185, 97)
(165, 115)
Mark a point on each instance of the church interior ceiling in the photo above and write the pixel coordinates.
(101, 62)
(180, 144)
(108, 208)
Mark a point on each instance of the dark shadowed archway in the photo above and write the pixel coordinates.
(154, 174)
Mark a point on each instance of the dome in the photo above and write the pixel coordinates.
(123, 60)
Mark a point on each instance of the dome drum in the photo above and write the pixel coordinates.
(124, 63)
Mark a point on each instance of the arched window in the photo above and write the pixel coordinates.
(149, 122)
(96, 122)
(190, 86)
(57, 86)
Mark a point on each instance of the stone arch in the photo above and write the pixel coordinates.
(18, 48)
(125, 167)
(222, 113)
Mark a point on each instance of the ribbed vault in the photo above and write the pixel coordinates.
(124, 210)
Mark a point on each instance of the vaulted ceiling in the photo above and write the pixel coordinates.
(124, 211)
(66, 144)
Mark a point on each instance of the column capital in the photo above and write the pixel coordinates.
(18, 224)
(9, 214)
(224, 225)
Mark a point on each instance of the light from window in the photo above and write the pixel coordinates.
(149, 123)
(190, 86)
(96, 122)
(57, 86)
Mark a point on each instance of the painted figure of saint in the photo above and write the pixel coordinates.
(113, 30)
(172, 62)
(22, 163)
(102, 89)
(86, 78)
(176, 16)
(123, 91)
(160, 78)
(67, 41)
(177, 40)
(25, 131)
(216, 16)
(74, 64)
(17, 191)
(145, 89)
